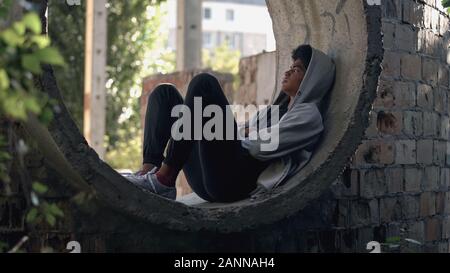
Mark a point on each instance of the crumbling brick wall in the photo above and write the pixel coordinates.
(399, 178)
(397, 184)
(257, 76)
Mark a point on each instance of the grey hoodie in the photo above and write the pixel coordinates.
(300, 127)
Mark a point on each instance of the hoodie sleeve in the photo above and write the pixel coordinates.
(251, 123)
(299, 128)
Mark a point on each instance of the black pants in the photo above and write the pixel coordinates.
(217, 170)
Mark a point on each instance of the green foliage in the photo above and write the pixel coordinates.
(4, 158)
(66, 27)
(134, 42)
(446, 4)
(223, 59)
(402, 244)
(4, 7)
(42, 211)
(135, 39)
(127, 154)
(3, 247)
(22, 52)
(39, 188)
(393, 240)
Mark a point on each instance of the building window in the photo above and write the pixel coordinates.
(237, 41)
(207, 13)
(229, 41)
(207, 39)
(230, 15)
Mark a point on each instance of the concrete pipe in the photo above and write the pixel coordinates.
(349, 31)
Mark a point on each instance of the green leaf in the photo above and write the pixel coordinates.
(14, 107)
(3, 12)
(39, 188)
(4, 80)
(5, 156)
(393, 240)
(3, 246)
(32, 105)
(446, 3)
(19, 27)
(11, 38)
(50, 55)
(31, 216)
(46, 116)
(31, 63)
(7, 4)
(55, 210)
(41, 41)
(32, 22)
(51, 220)
(4, 8)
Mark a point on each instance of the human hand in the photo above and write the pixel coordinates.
(146, 168)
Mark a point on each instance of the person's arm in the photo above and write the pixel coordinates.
(299, 128)
(248, 126)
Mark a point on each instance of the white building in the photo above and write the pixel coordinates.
(244, 24)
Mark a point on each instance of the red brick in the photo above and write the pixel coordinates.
(390, 123)
(405, 152)
(416, 231)
(410, 206)
(390, 209)
(395, 179)
(425, 151)
(411, 66)
(385, 97)
(446, 228)
(430, 71)
(440, 203)
(413, 180)
(432, 229)
(440, 100)
(373, 183)
(425, 97)
(413, 123)
(443, 75)
(427, 204)
(375, 152)
(391, 64)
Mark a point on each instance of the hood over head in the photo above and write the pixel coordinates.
(318, 80)
(300, 128)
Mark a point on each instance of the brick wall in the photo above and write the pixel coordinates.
(257, 76)
(398, 181)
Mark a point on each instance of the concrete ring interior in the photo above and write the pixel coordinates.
(349, 31)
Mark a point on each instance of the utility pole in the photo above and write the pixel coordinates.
(189, 34)
(95, 75)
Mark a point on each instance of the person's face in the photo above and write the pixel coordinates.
(293, 78)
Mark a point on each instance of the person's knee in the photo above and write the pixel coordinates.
(202, 77)
(165, 90)
(203, 82)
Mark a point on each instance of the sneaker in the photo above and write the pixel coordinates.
(150, 182)
(154, 170)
